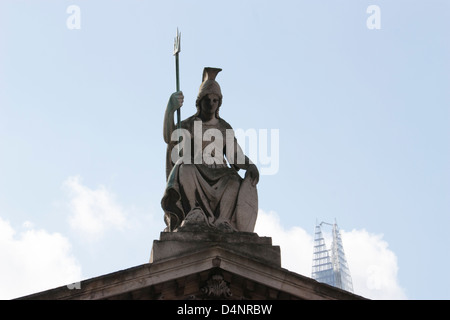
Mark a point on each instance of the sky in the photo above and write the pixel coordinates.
(349, 101)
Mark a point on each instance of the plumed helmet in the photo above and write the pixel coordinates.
(209, 84)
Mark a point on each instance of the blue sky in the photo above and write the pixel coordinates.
(363, 119)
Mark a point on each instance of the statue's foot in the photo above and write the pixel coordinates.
(225, 226)
(195, 220)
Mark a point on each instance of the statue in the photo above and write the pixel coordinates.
(204, 192)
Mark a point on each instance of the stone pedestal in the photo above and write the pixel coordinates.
(175, 245)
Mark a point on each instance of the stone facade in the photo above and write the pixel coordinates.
(215, 266)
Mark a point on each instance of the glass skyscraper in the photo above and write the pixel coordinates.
(330, 265)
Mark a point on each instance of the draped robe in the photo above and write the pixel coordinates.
(214, 190)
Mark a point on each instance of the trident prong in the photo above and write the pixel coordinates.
(177, 43)
(176, 51)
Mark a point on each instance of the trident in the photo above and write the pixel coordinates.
(176, 51)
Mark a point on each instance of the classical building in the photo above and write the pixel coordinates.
(203, 266)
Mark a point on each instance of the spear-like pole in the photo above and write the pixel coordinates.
(176, 51)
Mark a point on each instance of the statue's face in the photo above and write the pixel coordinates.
(210, 103)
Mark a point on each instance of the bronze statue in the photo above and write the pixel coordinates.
(204, 190)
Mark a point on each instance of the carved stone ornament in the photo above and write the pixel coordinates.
(216, 287)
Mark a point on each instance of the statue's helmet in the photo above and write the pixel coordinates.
(209, 85)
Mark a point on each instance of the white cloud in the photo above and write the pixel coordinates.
(296, 244)
(93, 211)
(33, 261)
(373, 266)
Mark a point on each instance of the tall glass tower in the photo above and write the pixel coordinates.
(330, 265)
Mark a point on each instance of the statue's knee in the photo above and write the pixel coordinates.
(186, 171)
(235, 182)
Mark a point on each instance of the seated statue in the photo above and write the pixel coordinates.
(204, 190)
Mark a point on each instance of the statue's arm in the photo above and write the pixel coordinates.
(175, 102)
(241, 161)
(251, 169)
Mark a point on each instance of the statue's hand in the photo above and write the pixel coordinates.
(176, 101)
(252, 173)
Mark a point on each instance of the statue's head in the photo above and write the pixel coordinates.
(209, 86)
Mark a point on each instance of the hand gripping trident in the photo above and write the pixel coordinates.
(176, 51)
